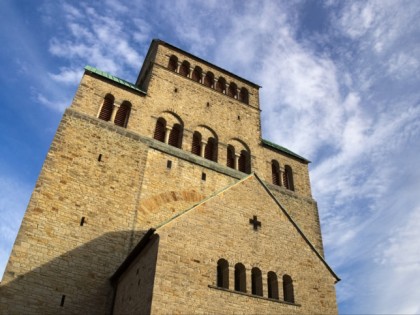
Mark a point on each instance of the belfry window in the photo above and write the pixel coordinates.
(275, 172)
(240, 278)
(243, 95)
(175, 137)
(221, 85)
(107, 107)
(184, 70)
(272, 285)
(223, 274)
(121, 118)
(196, 144)
(173, 63)
(230, 160)
(244, 162)
(256, 281)
(196, 75)
(211, 149)
(233, 90)
(288, 178)
(160, 130)
(288, 292)
(209, 79)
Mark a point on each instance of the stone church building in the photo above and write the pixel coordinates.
(162, 197)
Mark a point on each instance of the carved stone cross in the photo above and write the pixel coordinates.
(255, 222)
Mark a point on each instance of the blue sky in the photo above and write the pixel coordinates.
(340, 85)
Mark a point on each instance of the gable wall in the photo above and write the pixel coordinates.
(191, 245)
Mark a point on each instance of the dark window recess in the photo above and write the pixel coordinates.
(240, 278)
(82, 221)
(275, 172)
(106, 110)
(230, 161)
(99, 157)
(210, 150)
(173, 63)
(288, 292)
(203, 176)
(63, 297)
(169, 164)
(256, 283)
(175, 90)
(123, 112)
(273, 287)
(175, 136)
(223, 274)
(196, 144)
(160, 130)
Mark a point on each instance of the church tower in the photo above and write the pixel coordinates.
(162, 197)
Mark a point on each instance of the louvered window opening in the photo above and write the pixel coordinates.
(196, 144)
(209, 152)
(160, 130)
(106, 110)
(230, 158)
(121, 117)
(174, 136)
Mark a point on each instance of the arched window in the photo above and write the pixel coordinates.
(244, 162)
(223, 274)
(196, 75)
(160, 130)
(184, 70)
(233, 90)
(288, 293)
(256, 281)
(121, 118)
(275, 172)
(243, 95)
(240, 278)
(107, 107)
(173, 63)
(272, 285)
(221, 85)
(230, 160)
(175, 137)
(211, 150)
(209, 79)
(288, 178)
(196, 144)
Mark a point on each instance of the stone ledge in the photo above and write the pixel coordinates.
(253, 296)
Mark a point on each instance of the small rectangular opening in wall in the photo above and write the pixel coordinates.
(62, 300)
(203, 176)
(100, 157)
(82, 221)
(169, 164)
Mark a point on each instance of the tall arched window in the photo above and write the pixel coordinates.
(240, 278)
(221, 85)
(173, 63)
(243, 95)
(275, 172)
(196, 75)
(223, 274)
(175, 137)
(256, 281)
(121, 118)
(288, 292)
(160, 130)
(244, 162)
(196, 144)
(288, 178)
(230, 159)
(209, 79)
(233, 90)
(273, 286)
(107, 107)
(211, 149)
(184, 70)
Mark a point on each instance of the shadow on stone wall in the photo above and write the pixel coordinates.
(76, 282)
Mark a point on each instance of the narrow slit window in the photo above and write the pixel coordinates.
(63, 298)
(169, 164)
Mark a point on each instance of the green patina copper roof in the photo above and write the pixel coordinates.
(284, 150)
(114, 79)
